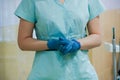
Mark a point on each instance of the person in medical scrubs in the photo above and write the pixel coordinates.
(62, 42)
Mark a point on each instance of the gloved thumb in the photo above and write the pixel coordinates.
(61, 38)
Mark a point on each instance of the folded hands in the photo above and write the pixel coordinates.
(64, 45)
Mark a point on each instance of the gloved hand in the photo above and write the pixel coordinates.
(68, 46)
(75, 46)
(53, 44)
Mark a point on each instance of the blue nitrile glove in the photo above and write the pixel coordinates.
(68, 46)
(75, 45)
(53, 44)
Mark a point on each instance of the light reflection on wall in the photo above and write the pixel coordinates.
(111, 4)
(8, 21)
(7, 8)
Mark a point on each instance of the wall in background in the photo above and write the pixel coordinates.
(101, 58)
(14, 63)
(8, 20)
(111, 4)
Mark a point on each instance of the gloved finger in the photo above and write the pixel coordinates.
(64, 52)
(74, 40)
(67, 48)
(53, 44)
(61, 38)
(72, 50)
(75, 46)
(61, 48)
(63, 41)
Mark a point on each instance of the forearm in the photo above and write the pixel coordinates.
(90, 41)
(32, 44)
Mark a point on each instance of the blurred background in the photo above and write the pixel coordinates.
(16, 64)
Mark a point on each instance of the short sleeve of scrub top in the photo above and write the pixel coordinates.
(26, 11)
(95, 8)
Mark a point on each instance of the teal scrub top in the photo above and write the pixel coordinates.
(52, 20)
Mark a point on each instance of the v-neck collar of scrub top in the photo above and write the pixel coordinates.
(62, 4)
(59, 1)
